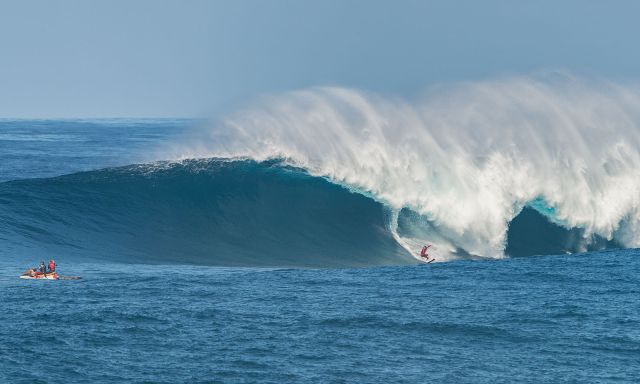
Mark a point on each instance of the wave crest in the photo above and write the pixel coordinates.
(468, 158)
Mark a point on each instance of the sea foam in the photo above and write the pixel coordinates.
(467, 157)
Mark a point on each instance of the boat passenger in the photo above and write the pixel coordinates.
(30, 272)
(52, 266)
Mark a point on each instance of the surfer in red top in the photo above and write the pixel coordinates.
(423, 252)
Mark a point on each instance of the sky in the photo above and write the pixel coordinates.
(191, 58)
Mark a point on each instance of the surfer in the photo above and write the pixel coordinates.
(423, 252)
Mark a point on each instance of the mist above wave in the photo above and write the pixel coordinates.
(468, 157)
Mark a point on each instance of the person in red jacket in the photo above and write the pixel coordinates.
(52, 266)
(423, 252)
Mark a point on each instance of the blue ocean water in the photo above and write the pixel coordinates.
(44, 148)
(541, 319)
(210, 270)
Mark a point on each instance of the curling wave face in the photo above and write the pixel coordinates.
(467, 159)
(215, 212)
(230, 213)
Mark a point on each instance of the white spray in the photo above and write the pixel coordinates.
(468, 157)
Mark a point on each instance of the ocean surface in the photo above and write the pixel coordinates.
(217, 265)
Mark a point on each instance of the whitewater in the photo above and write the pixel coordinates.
(467, 158)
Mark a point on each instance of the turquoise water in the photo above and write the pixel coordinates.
(187, 276)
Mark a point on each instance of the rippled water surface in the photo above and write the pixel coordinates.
(538, 319)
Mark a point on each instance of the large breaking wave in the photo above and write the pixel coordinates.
(338, 177)
(201, 211)
(233, 213)
(467, 159)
